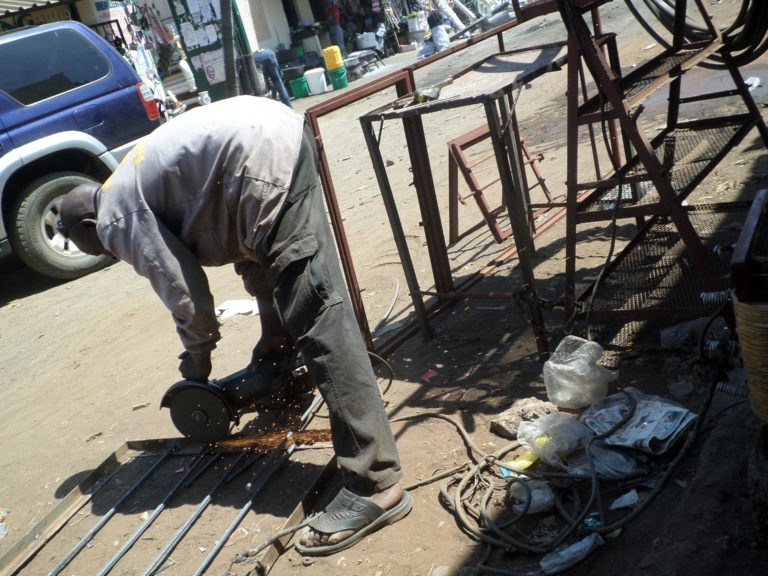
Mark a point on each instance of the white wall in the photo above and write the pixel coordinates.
(304, 10)
(270, 24)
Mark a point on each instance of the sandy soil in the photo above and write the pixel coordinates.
(85, 363)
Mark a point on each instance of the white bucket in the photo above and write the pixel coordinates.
(316, 80)
(366, 40)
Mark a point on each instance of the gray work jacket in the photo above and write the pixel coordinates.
(201, 190)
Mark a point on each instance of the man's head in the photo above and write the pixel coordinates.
(77, 218)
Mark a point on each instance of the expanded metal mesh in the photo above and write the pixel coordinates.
(636, 85)
(655, 273)
(695, 151)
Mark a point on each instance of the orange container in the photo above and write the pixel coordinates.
(332, 57)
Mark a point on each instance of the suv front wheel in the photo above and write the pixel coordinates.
(34, 236)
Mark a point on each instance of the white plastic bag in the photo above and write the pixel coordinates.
(553, 437)
(573, 377)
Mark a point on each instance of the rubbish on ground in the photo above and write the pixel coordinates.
(592, 520)
(524, 461)
(539, 492)
(140, 406)
(94, 436)
(523, 409)
(628, 500)
(230, 308)
(607, 462)
(428, 375)
(653, 428)
(426, 94)
(553, 437)
(573, 377)
(558, 439)
(752, 82)
(567, 555)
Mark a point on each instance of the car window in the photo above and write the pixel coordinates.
(43, 65)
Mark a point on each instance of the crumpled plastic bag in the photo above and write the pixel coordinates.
(559, 441)
(573, 377)
(553, 437)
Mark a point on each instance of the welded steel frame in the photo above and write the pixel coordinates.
(498, 105)
(404, 83)
(458, 161)
(612, 85)
(741, 260)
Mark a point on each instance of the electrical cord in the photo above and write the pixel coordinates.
(389, 368)
(480, 525)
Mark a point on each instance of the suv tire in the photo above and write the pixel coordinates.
(34, 236)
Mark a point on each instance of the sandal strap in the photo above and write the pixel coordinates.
(347, 511)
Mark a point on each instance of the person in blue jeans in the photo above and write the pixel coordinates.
(271, 70)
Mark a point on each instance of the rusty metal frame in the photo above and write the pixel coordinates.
(498, 104)
(619, 100)
(458, 161)
(741, 265)
(404, 83)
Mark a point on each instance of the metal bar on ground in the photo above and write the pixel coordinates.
(163, 555)
(156, 512)
(29, 545)
(277, 459)
(110, 513)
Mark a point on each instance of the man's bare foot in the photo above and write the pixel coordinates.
(385, 500)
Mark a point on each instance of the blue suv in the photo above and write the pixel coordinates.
(71, 107)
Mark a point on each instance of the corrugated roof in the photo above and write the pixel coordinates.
(11, 6)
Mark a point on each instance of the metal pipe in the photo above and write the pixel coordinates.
(155, 513)
(163, 555)
(268, 470)
(110, 513)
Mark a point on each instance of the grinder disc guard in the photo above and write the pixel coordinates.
(198, 411)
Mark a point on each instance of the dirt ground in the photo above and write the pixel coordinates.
(85, 363)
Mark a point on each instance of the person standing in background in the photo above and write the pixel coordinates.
(335, 31)
(267, 60)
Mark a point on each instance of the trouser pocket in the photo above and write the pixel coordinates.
(303, 286)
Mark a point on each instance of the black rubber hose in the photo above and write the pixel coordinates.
(746, 37)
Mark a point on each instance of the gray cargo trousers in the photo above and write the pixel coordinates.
(299, 278)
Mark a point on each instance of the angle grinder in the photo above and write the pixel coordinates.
(205, 411)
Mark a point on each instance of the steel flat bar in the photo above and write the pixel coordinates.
(163, 555)
(629, 315)
(109, 514)
(269, 469)
(155, 513)
(621, 213)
